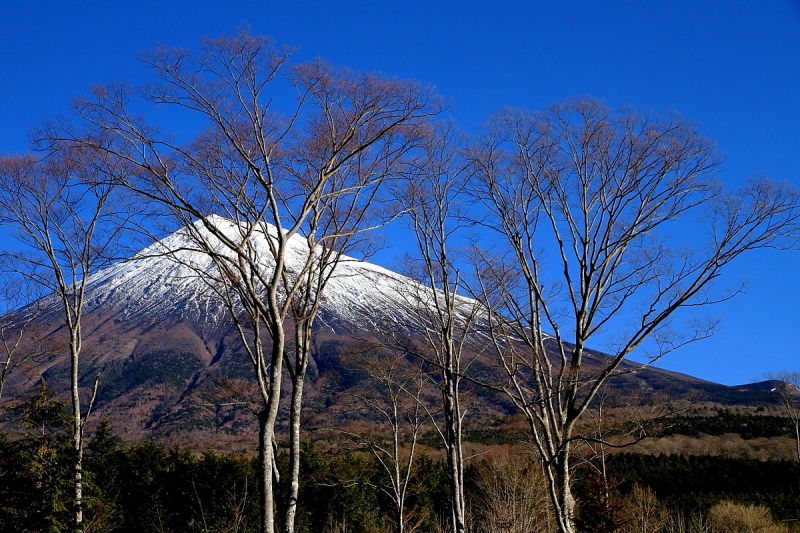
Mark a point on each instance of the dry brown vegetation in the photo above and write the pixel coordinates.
(730, 445)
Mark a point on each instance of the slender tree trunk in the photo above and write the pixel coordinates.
(267, 418)
(302, 353)
(265, 471)
(294, 453)
(400, 528)
(455, 458)
(797, 437)
(565, 511)
(77, 426)
(401, 494)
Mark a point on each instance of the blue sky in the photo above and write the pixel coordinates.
(733, 66)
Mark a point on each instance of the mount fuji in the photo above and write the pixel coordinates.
(164, 283)
(161, 343)
(159, 337)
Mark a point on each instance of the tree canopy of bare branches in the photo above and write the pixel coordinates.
(67, 223)
(275, 173)
(443, 333)
(603, 221)
(21, 345)
(395, 392)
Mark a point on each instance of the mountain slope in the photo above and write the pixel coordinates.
(162, 345)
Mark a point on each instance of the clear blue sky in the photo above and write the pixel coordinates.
(733, 66)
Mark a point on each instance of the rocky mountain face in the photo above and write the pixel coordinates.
(166, 352)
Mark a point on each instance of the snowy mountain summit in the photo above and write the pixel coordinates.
(158, 333)
(170, 280)
(160, 339)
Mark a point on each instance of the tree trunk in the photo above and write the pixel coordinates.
(400, 504)
(294, 451)
(302, 334)
(265, 474)
(797, 437)
(77, 427)
(455, 458)
(399, 481)
(565, 508)
(266, 419)
(400, 527)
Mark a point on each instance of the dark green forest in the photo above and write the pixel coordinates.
(147, 487)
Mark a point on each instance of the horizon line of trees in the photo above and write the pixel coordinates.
(581, 206)
(148, 487)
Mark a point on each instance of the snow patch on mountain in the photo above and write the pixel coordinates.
(168, 280)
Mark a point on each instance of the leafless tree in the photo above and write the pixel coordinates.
(395, 392)
(20, 344)
(442, 331)
(67, 225)
(645, 514)
(510, 495)
(293, 187)
(787, 385)
(742, 518)
(592, 215)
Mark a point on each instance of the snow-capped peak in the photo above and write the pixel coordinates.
(165, 280)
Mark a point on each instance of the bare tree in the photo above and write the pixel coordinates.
(20, 342)
(645, 513)
(510, 495)
(742, 518)
(394, 391)
(292, 189)
(67, 225)
(442, 331)
(591, 211)
(787, 385)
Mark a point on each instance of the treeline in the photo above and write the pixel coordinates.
(749, 426)
(148, 487)
(696, 483)
(724, 422)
